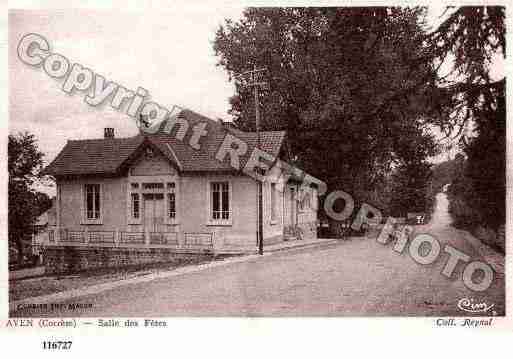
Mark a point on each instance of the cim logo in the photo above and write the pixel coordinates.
(472, 306)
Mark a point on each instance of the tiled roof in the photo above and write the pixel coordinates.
(108, 156)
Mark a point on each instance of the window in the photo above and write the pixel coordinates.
(171, 205)
(171, 200)
(92, 200)
(156, 185)
(273, 202)
(135, 205)
(220, 200)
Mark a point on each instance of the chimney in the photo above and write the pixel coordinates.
(108, 132)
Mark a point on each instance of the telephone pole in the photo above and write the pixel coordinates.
(253, 79)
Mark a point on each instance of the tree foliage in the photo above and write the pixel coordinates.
(470, 39)
(474, 37)
(348, 84)
(410, 181)
(25, 204)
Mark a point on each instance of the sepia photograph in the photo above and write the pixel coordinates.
(250, 161)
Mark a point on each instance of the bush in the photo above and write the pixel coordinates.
(463, 215)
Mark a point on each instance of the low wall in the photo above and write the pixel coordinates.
(66, 259)
(27, 272)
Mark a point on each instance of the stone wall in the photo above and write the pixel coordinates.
(67, 259)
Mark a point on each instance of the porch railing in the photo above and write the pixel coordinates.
(198, 240)
(164, 238)
(73, 236)
(101, 237)
(133, 237)
(178, 240)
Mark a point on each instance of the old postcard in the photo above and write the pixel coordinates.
(194, 160)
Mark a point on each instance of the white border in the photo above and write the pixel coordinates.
(256, 337)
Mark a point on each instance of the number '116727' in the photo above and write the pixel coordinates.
(57, 345)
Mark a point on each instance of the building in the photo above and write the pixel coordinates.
(178, 191)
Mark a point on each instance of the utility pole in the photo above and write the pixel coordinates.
(252, 79)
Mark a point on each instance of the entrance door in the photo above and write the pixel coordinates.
(154, 211)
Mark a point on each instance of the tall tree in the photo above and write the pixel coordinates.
(25, 204)
(473, 39)
(348, 85)
(411, 176)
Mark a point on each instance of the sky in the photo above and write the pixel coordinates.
(168, 52)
